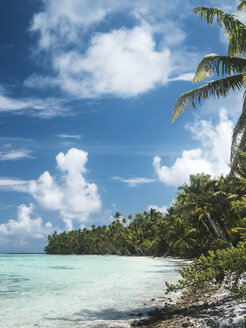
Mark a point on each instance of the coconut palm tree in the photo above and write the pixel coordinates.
(202, 199)
(232, 68)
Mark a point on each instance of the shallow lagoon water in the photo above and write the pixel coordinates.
(57, 291)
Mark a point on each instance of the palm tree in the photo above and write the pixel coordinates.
(183, 237)
(200, 199)
(232, 67)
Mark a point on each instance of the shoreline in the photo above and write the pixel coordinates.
(214, 307)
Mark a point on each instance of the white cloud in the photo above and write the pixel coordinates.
(233, 102)
(46, 192)
(183, 77)
(133, 182)
(162, 209)
(124, 62)
(7, 184)
(212, 157)
(62, 22)
(25, 226)
(69, 136)
(45, 108)
(13, 155)
(74, 197)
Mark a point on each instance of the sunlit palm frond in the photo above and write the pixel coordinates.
(229, 21)
(214, 63)
(216, 88)
(239, 128)
(238, 139)
(234, 29)
(242, 6)
(237, 43)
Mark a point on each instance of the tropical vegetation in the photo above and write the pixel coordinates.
(227, 266)
(208, 214)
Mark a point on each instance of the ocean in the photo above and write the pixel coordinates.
(66, 291)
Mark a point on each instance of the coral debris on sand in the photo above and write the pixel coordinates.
(213, 308)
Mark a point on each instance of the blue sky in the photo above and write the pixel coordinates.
(87, 90)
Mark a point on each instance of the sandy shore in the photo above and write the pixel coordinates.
(215, 307)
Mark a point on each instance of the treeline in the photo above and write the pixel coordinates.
(208, 214)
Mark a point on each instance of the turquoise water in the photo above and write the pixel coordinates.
(79, 291)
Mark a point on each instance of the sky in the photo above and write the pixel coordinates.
(87, 90)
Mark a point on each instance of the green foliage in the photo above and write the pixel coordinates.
(216, 88)
(244, 322)
(234, 29)
(226, 265)
(241, 6)
(214, 63)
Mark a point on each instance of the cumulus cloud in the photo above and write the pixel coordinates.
(25, 226)
(123, 62)
(212, 157)
(133, 182)
(73, 197)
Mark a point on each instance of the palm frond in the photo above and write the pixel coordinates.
(234, 29)
(229, 21)
(216, 88)
(238, 139)
(242, 6)
(214, 63)
(237, 43)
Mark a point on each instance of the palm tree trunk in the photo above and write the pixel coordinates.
(217, 230)
(207, 227)
(127, 252)
(137, 248)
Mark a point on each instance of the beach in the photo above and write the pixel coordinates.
(213, 307)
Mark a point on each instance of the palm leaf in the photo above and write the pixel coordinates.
(241, 6)
(237, 43)
(216, 88)
(238, 139)
(234, 29)
(214, 63)
(239, 229)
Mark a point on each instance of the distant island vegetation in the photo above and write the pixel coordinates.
(208, 214)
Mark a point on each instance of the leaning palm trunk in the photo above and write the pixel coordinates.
(207, 227)
(218, 231)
